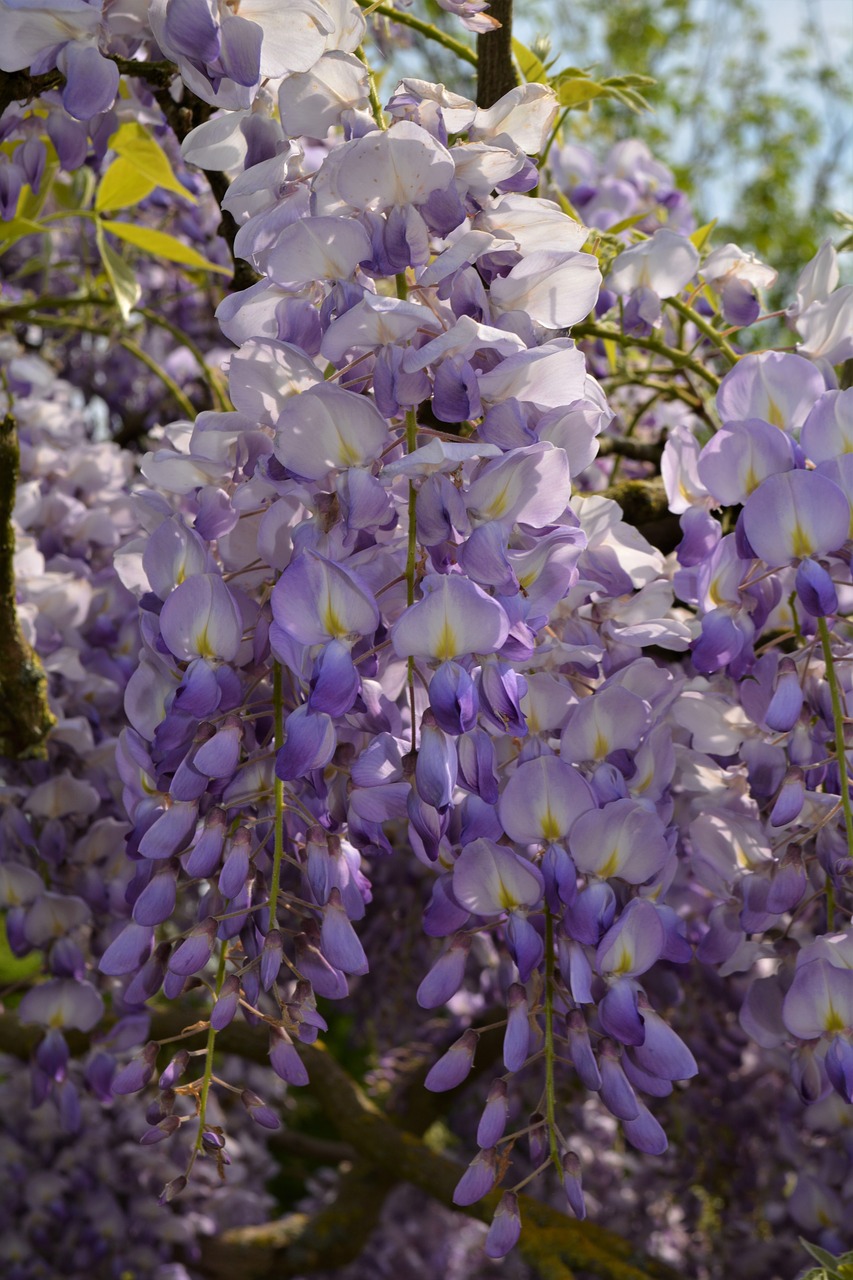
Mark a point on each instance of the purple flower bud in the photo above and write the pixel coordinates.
(478, 1179)
(98, 1074)
(616, 1093)
(195, 951)
(517, 1036)
(128, 951)
(537, 1138)
(619, 1015)
(335, 683)
(339, 940)
(581, 1052)
(136, 1074)
(789, 881)
(175, 1069)
(453, 1067)
(203, 858)
(235, 868)
(524, 943)
(327, 981)
(226, 1003)
(788, 803)
(259, 1111)
(503, 1234)
(815, 589)
(453, 698)
(436, 765)
(572, 1184)
(156, 902)
(52, 1054)
(271, 958)
(309, 744)
(219, 756)
(493, 1120)
(284, 1059)
(172, 1189)
(645, 1133)
(165, 1129)
(171, 832)
(445, 977)
(839, 1067)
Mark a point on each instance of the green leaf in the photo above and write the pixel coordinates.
(122, 185)
(161, 245)
(13, 969)
(135, 144)
(532, 68)
(16, 228)
(577, 90)
(120, 274)
(702, 235)
(625, 224)
(826, 1260)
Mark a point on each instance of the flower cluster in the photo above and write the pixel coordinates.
(370, 612)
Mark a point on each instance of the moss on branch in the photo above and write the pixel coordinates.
(25, 715)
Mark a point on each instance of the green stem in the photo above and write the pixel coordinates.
(208, 1057)
(69, 322)
(549, 144)
(372, 95)
(461, 50)
(278, 790)
(687, 313)
(841, 756)
(217, 391)
(587, 330)
(550, 1052)
(411, 556)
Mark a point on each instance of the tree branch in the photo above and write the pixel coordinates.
(386, 1156)
(496, 73)
(25, 716)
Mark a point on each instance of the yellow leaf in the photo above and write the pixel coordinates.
(122, 185)
(135, 143)
(578, 90)
(161, 245)
(531, 68)
(120, 274)
(702, 235)
(16, 228)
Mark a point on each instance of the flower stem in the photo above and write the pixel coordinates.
(208, 1060)
(278, 791)
(550, 1053)
(841, 756)
(423, 28)
(687, 313)
(679, 358)
(411, 557)
(373, 96)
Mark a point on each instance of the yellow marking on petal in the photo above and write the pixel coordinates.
(601, 746)
(751, 480)
(802, 544)
(612, 865)
(714, 592)
(551, 829)
(447, 646)
(834, 1020)
(626, 960)
(330, 619)
(348, 455)
(203, 647)
(505, 898)
(774, 415)
(498, 505)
